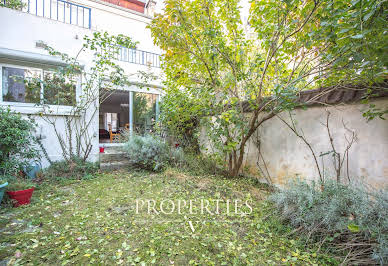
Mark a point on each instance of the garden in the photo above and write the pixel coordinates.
(95, 221)
(172, 207)
(186, 197)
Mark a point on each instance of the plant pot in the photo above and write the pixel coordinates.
(22, 197)
(102, 149)
(2, 190)
(32, 170)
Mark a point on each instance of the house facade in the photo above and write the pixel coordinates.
(63, 25)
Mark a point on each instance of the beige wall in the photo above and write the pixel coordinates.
(286, 156)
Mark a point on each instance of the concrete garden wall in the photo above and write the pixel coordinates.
(286, 156)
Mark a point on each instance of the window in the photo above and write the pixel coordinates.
(111, 119)
(37, 86)
(21, 85)
(144, 112)
(58, 90)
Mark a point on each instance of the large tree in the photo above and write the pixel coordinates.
(225, 66)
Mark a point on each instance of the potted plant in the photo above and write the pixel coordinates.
(3, 184)
(20, 190)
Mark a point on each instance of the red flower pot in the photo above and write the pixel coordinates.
(22, 197)
(102, 149)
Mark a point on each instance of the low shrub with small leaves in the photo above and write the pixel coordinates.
(350, 219)
(74, 169)
(149, 152)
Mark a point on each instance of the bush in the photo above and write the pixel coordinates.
(152, 153)
(353, 219)
(74, 169)
(17, 144)
(201, 164)
(180, 118)
(20, 184)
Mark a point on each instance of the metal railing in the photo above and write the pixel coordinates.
(59, 10)
(139, 57)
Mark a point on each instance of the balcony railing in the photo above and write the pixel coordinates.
(139, 57)
(59, 10)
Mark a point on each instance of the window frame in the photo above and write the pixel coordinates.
(32, 108)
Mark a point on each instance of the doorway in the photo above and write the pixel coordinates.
(127, 112)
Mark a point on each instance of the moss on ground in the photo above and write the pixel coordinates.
(95, 221)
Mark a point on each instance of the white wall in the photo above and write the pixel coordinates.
(20, 31)
(286, 156)
(121, 21)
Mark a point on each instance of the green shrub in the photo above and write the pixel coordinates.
(352, 218)
(74, 169)
(17, 184)
(17, 144)
(148, 152)
(152, 153)
(180, 118)
(201, 164)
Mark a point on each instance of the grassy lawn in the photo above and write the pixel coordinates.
(95, 221)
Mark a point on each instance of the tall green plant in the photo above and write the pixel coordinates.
(180, 115)
(17, 144)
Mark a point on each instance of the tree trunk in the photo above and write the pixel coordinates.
(237, 162)
(253, 126)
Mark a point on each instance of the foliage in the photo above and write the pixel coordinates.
(149, 152)
(180, 117)
(17, 144)
(17, 184)
(77, 169)
(225, 67)
(349, 218)
(95, 222)
(200, 164)
(349, 35)
(372, 112)
(144, 111)
(14, 4)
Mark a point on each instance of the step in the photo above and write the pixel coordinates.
(107, 157)
(113, 149)
(111, 166)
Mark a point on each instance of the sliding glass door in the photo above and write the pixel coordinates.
(144, 112)
(128, 110)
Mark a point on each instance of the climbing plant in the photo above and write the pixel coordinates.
(96, 82)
